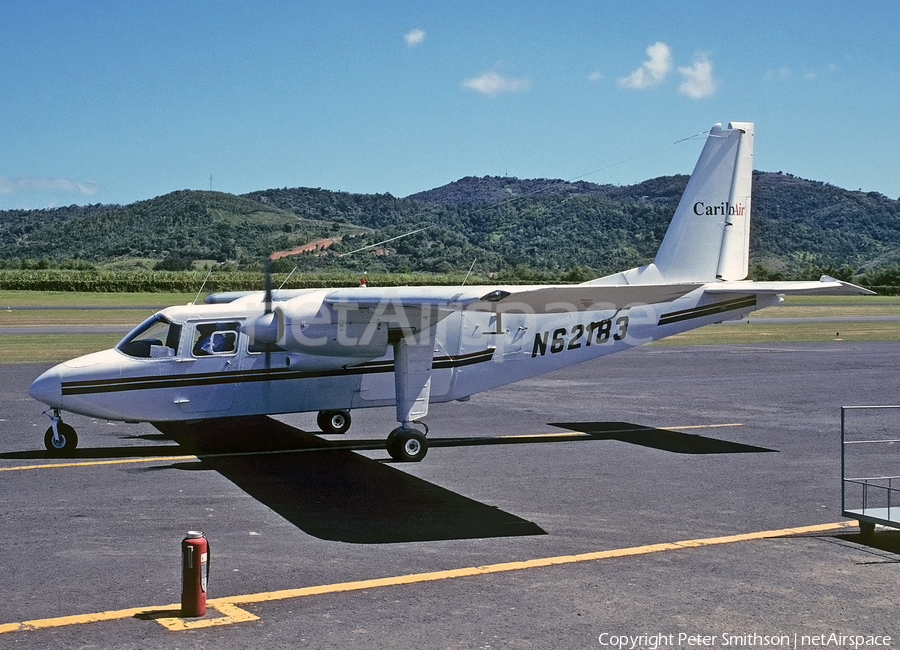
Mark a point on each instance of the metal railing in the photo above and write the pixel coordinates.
(876, 494)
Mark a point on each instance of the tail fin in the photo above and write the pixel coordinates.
(709, 236)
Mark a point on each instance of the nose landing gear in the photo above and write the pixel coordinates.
(60, 439)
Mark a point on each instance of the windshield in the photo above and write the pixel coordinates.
(155, 337)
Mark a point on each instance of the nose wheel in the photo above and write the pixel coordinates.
(60, 439)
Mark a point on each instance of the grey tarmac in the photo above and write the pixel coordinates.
(685, 443)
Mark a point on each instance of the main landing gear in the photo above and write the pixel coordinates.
(407, 445)
(404, 444)
(60, 439)
(334, 421)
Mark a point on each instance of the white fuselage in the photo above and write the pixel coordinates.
(206, 365)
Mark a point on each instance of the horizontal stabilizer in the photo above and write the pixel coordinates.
(826, 285)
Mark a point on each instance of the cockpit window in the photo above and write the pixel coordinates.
(215, 338)
(155, 337)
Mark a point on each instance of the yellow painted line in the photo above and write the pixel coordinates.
(118, 461)
(542, 435)
(526, 564)
(232, 614)
(226, 605)
(154, 459)
(707, 426)
(62, 621)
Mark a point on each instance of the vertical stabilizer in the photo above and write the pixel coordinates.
(709, 236)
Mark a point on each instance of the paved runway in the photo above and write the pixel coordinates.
(684, 443)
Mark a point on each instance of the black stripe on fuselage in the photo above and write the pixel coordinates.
(707, 310)
(260, 374)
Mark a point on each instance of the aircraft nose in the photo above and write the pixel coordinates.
(47, 388)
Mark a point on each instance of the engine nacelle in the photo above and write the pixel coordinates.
(309, 325)
(262, 329)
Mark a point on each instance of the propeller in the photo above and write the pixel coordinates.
(268, 286)
(262, 329)
(268, 310)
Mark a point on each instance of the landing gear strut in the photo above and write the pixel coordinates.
(413, 356)
(333, 421)
(60, 439)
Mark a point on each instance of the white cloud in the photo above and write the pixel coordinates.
(780, 73)
(653, 71)
(596, 75)
(414, 37)
(698, 79)
(22, 184)
(492, 83)
(786, 73)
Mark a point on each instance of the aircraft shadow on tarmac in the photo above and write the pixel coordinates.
(329, 492)
(674, 441)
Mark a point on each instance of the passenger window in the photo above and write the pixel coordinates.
(215, 339)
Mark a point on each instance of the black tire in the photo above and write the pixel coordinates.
(407, 445)
(390, 444)
(866, 529)
(337, 421)
(68, 440)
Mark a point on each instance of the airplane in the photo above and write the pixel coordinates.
(331, 351)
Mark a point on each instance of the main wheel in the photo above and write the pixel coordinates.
(333, 421)
(66, 442)
(407, 445)
(391, 443)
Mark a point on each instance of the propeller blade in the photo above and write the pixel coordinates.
(268, 286)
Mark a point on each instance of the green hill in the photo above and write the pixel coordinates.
(800, 227)
(183, 225)
(510, 228)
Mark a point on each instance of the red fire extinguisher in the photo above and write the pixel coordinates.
(194, 573)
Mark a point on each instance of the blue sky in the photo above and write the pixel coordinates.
(114, 102)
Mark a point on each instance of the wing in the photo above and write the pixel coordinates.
(530, 299)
